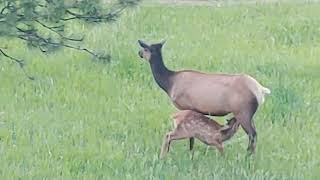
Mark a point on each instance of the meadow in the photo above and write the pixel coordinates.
(84, 119)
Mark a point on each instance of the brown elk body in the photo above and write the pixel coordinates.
(191, 124)
(210, 94)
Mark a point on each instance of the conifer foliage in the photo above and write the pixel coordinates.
(42, 23)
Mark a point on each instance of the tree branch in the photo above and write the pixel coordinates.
(57, 32)
(25, 35)
(4, 8)
(41, 23)
(97, 18)
(19, 62)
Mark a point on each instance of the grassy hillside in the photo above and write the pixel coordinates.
(88, 120)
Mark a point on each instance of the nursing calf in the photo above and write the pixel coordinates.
(191, 124)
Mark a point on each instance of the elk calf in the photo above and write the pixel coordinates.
(191, 124)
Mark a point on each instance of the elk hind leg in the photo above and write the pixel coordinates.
(245, 120)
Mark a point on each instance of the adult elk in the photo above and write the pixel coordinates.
(209, 94)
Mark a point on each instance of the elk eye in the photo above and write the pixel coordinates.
(147, 50)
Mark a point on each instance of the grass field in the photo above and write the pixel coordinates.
(87, 120)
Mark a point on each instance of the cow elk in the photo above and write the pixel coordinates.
(209, 94)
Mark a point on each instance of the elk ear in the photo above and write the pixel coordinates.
(143, 44)
(162, 42)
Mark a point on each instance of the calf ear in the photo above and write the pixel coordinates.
(224, 128)
(143, 44)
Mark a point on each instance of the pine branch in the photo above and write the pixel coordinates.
(31, 21)
(19, 62)
(53, 29)
(26, 35)
(93, 18)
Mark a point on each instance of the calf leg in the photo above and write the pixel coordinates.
(218, 145)
(174, 135)
(165, 145)
(191, 140)
(191, 144)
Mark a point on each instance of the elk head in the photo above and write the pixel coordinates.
(149, 51)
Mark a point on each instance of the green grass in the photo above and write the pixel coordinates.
(86, 120)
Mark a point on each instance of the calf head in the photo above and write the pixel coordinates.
(232, 122)
(231, 125)
(149, 51)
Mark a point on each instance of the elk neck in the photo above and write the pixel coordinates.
(161, 73)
